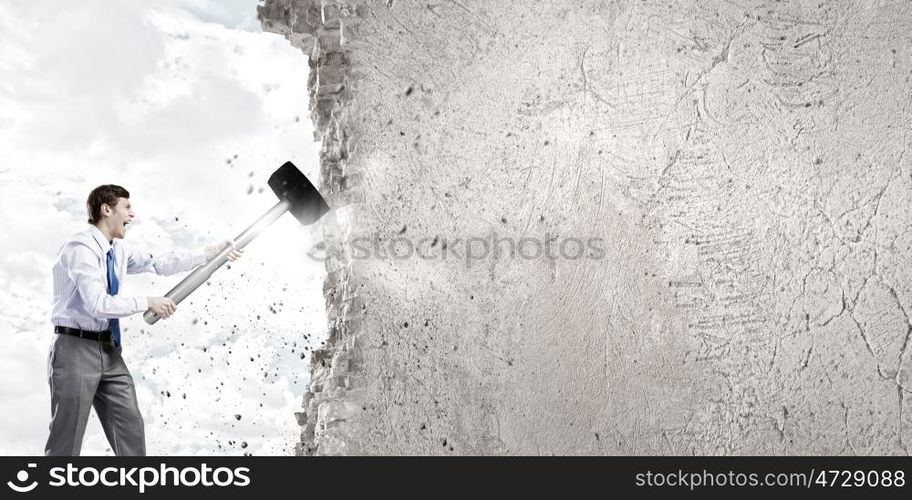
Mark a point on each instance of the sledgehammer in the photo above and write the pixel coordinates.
(296, 195)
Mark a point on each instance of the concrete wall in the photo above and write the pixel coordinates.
(743, 162)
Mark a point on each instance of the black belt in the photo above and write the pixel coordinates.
(104, 336)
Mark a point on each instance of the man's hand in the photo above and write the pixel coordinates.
(212, 250)
(162, 306)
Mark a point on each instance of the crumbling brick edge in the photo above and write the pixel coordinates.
(318, 28)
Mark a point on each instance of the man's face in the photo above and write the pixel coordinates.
(119, 216)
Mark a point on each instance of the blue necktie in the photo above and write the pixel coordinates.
(113, 286)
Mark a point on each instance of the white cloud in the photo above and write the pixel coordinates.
(191, 114)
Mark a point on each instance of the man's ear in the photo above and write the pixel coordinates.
(108, 207)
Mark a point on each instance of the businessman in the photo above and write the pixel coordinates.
(85, 367)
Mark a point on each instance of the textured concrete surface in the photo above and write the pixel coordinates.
(745, 164)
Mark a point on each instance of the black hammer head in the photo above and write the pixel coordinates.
(288, 183)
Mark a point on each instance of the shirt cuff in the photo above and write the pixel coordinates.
(197, 257)
(140, 304)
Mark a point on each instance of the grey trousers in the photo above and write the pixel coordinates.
(84, 373)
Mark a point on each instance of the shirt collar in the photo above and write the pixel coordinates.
(100, 238)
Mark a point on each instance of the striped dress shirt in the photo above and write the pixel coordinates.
(81, 297)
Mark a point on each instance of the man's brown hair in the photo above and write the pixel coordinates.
(103, 195)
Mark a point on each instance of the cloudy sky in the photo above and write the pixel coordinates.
(188, 105)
